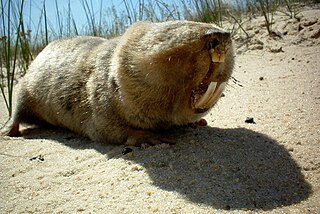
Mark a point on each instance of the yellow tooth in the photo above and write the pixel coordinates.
(216, 56)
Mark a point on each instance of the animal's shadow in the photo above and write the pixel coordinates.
(223, 168)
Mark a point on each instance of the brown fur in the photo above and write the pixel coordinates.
(104, 89)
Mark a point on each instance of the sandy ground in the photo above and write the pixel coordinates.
(230, 166)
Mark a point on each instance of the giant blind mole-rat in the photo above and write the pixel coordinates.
(155, 76)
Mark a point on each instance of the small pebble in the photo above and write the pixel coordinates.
(126, 150)
(260, 78)
(33, 158)
(250, 120)
(39, 157)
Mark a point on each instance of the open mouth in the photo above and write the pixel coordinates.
(207, 93)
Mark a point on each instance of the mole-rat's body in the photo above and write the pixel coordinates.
(155, 76)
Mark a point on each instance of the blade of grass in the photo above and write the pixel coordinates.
(45, 24)
(60, 28)
(10, 87)
(90, 17)
(75, 27)
(166, 7)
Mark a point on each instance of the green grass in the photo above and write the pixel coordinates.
(19, 45)
(14, 48)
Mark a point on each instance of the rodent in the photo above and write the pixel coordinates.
(153, 77)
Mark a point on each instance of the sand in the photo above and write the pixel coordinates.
(272, 165)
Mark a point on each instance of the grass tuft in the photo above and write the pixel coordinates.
(14, 46)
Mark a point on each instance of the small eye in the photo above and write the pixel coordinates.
(213, 44)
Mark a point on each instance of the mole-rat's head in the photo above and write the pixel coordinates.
(192, 60)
